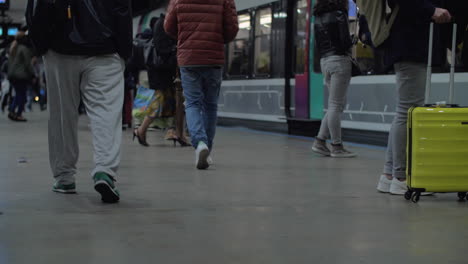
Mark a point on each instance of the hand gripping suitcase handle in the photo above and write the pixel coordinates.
(452, 64)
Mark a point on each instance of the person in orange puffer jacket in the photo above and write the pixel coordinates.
(202, 28)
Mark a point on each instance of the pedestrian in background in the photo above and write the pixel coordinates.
(202, 30)
(334, 45)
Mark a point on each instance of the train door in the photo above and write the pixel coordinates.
(301, 60)
(316, 87)
(315, 75)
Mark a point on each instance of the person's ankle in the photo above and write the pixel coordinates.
(389, 176)
(320, 140)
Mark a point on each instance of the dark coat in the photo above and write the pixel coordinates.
(409, 36)
(94, 27)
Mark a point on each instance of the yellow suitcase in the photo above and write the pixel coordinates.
(437, 145)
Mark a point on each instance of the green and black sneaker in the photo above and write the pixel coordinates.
(64, 188)
(104, 184)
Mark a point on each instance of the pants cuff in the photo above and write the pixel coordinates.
(388, 170)
(107, 171)
(65, 179)
(401, 175)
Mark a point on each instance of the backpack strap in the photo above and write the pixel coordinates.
(393, 15)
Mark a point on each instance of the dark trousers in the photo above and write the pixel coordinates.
(20, 86)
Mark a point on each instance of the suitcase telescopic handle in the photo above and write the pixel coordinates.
(452, 64)
(429, 64)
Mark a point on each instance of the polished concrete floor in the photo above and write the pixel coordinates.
(268, 199)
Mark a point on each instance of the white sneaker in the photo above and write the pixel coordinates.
(384, 184)
(398, 187)
(209, 160)
(201, 156)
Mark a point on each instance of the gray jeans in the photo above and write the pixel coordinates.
(337, 75)
(99, 82)
(410, 82)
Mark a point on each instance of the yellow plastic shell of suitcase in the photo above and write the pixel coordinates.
(438, 149)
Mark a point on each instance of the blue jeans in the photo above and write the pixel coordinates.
(20, 86)
(201, 90)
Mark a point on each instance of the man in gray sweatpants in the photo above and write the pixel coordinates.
(86, 60)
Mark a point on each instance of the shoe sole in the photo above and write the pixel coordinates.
(383, 191)
(397, 194)
(203, 160)
(343, 156)
(64, 191)
(108, 195)
(316, 150)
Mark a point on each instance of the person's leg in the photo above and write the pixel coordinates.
(386, 178)
(192, 85)
(140, 132)
(21, 96)
(5, 99)
(340, 71)
(179, 111)
(12, 103)
(192, 82)
(102, 87)
(212, 78)
(64, 98)
(324, 132)
(320, 143)
(29, 97)
(411, 82)
(388, 167)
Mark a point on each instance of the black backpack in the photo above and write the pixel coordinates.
(41, 20)
(83, 21)
(161, 52)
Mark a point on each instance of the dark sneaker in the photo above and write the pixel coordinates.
(104, 184)
(338, 151)
(64, 188)
(320, 147)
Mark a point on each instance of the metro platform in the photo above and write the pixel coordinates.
(268, 199)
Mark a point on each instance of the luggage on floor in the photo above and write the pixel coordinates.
(438, 142)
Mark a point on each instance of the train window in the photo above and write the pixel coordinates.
(301, 41)
(239, 49)
(263, 22)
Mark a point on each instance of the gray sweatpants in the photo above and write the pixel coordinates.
(337, 75)
(99, 82)
(411, 83)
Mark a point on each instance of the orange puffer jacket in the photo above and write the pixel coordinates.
(201, 28)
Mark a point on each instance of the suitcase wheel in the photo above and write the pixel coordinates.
(408, 195)
(461, 196)
(415, 197)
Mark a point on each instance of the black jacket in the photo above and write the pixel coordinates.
(409, 36)
(95, 27)
(332, 34)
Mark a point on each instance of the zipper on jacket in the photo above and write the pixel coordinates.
(69, 11)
